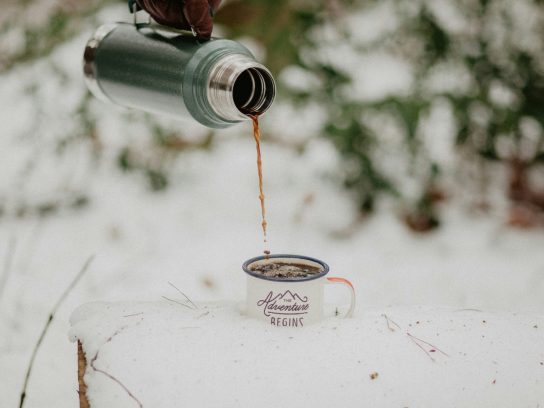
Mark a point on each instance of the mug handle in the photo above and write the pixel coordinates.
(343, 281)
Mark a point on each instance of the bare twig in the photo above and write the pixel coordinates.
(177, 302)
(417, 341)
(134, 314)
(183, 294)
(59, 302)
(390, 323)
(8, 261)
(111, 377)
(427, 343)
(420, 346)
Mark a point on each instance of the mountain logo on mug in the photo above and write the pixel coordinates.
(286, 303)
(279, 306)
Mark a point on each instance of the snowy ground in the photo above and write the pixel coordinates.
(394, 357)
(197, 233)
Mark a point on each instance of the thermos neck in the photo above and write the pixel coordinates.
(239, 86)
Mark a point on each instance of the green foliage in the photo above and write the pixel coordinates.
(282, 26)
(504, 70)
(155, 162)
(495, 51)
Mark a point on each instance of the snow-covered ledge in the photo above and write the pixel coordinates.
(169, 355)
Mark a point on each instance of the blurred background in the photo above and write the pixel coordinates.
(405, 149)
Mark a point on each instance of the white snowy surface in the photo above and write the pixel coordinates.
(168, 355)
(198, 232)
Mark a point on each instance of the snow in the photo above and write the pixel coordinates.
(167, 354)
(198, 232)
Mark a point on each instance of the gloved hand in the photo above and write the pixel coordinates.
(193, 15)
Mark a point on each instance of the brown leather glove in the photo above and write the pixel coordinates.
(183, 14)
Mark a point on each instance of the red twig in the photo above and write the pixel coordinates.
(427, 343)
(416, 340)
(111, 377)
(420, 346)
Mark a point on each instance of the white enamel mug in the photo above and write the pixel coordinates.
(290, 302)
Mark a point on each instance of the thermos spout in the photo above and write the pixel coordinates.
(239, 86)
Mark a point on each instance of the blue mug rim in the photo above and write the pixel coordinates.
(245, 267)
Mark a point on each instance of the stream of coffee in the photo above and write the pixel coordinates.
(257, 136)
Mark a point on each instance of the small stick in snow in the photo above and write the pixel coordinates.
(7, 264)
(48, 323)
(183, 294)
(420, 346)
(417, 341)
(427, 343)
(111, 377)
(177, 302)
(389, 322)
(134, 314)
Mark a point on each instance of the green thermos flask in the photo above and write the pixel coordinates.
(217, 82)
